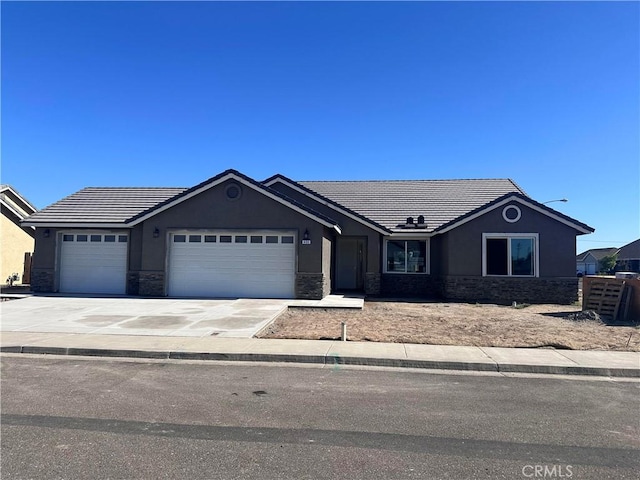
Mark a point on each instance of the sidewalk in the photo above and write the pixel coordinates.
(326, 352)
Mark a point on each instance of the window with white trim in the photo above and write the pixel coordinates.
(510, 254)
(406, 256)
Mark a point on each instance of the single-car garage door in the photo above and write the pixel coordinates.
(256, 264)
(93, 263)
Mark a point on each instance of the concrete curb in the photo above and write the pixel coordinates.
(329, 360)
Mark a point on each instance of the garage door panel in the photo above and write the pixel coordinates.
(232, 269)
(93, 266)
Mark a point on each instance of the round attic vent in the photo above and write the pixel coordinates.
(511, 213)
(233, 192)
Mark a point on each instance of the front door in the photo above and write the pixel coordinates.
(350, 263)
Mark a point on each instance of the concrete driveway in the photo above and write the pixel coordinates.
(168, 317)
(140, 316)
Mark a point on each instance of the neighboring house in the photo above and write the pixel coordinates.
(16, 241)
(232, 236)
(629, 257)
(588, 263)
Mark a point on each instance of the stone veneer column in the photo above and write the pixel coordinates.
(42, 280)
(310, 286)
(151, 284)
(372, 283)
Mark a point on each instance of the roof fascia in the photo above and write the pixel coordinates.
(314, 196)
(20, 198)
(239, 179)
(27, 223)
(510, 198)
(20, 216)
(417, 234)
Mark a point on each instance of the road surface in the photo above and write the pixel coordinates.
(91, 418)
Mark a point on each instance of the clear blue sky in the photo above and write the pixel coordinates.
(170, 94)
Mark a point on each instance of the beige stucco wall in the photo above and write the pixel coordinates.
(14, 242)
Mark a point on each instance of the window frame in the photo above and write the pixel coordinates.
(509, 236)
(427, 259)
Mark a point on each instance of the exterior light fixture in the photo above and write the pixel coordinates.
(156, 232)
(47, 233)
(305, 237)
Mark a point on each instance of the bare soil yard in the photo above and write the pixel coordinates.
(457, 324)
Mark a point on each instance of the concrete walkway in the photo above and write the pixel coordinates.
(487, 359)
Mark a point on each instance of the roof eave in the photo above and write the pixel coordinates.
(581, 228)
(51, 224)
(223, 177)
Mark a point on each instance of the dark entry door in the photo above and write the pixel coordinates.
(350, 263)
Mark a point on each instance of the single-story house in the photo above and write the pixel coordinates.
(16, 240)
(233, 236)
(588, 262)
(629, 257)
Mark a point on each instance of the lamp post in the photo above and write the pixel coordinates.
(563, 200)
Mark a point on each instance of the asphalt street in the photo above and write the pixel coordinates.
(78, 418)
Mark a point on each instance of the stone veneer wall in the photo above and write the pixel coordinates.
(372, 283)
(409, 285)
(506, 290)
(42, 280)
(150, 284)
(133, 283)
(311, 286)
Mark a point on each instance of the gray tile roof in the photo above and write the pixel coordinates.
(630, 251)
(597, 253)
(103, 205)
(390, 202)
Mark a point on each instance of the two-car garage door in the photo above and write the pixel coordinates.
(258, 264)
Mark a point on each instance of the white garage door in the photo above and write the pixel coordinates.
(258, 264)
(93, 263)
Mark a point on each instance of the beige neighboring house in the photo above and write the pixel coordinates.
(16, 242)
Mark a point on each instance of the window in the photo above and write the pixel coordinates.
(96, 238)
(209, 239)
(82, 238)
(67, 238)
(225, 238)
(510, 254)
(110, 238)
(256, 238)
(406, 256)
(272, 239)
(122, 238)
(241, 239)
(287, 239)
(179, 238)
(195, 239)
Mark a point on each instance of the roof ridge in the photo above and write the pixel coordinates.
(412, 180)
(130, 187)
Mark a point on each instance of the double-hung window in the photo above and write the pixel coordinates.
(510, 254)
(406, 256)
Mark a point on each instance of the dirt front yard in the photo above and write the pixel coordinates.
(457, 324)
